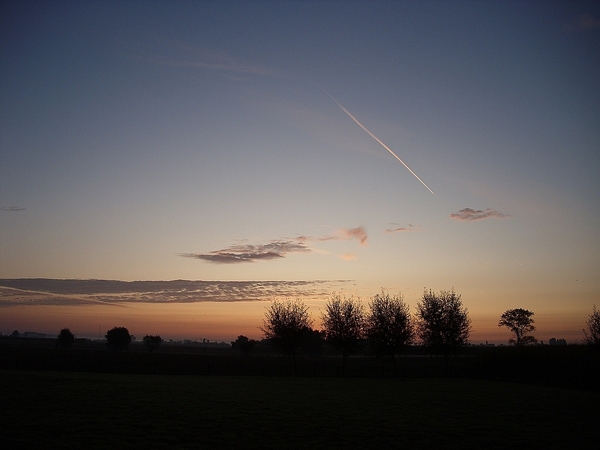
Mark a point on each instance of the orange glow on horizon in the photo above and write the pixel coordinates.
(223, 321)
(195, 321)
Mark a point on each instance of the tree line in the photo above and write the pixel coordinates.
(117, 339)
(441, 324)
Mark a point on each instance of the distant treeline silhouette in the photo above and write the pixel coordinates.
(441, 324)
(380, 333)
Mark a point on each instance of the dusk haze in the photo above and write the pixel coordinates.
(174, 167)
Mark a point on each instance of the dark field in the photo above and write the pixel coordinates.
(573, 367)
(83, 410)
(217, 398)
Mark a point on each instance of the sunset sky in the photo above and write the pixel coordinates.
(252, 142)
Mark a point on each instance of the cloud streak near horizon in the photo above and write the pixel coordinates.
(174, 53)
(276, 249)
(11, 208)
(409, 229)
(471, 215)
(51, 292)
(249, 253)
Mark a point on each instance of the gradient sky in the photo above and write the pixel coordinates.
(197, 140)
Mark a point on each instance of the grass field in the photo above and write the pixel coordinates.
(107, 411)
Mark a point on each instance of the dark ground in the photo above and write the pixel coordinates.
(574, 366)
(104, 411)
(217, 398)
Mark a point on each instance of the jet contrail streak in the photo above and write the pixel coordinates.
(376, 138)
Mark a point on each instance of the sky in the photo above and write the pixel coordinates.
(275, 150)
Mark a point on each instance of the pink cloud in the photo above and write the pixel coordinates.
(358, 233)
(275, 249)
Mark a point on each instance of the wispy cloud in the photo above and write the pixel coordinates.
(399, 229)
(583, 23)
(173, 53)
(222, 64)
(11, 208)
(303, 238)
(469, 214)
(276, 249)
(42, 291)
(358, 233)
(250, 253)
(348, 256)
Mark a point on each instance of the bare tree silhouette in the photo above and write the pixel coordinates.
(285, 323)
(592, 334)
(443, 323)
(518, 321)
(389, 325)
(344, 324)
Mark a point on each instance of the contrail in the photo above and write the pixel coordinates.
(376, 138)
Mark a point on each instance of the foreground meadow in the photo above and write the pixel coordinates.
(103, 411)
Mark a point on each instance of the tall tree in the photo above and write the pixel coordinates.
(343, 323)
(389, 326)
(592, 334)
(285, 325)
(518, 321)
(443, 324)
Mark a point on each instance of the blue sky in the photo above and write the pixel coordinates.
(164, 140)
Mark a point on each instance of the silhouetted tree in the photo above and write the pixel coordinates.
(518, 321)
(14, 334)
(389, 325)
(443, 324)
(118, 338)
(152, 342)
(65, 338)
(343, 323)
(244, 344)
(284, 324)
(592, 334)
